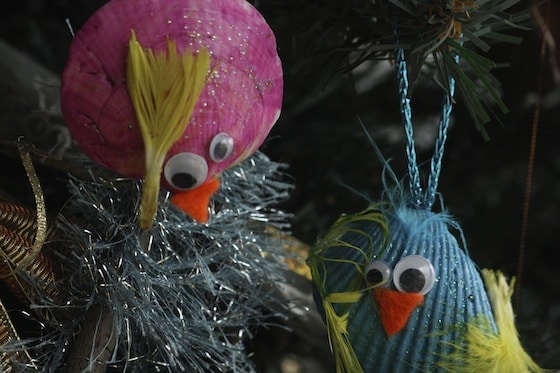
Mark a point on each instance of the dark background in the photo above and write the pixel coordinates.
(319, 137)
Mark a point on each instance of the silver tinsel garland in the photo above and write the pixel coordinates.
(182, 297)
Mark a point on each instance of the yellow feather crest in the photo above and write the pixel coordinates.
(164, 87)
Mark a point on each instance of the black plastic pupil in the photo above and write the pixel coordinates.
(220, 150)
(374, 276)
(183, 180)
(412, 280)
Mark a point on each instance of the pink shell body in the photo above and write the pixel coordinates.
(242, 96)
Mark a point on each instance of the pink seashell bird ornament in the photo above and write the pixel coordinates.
(174, 92)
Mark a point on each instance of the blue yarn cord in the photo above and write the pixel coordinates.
(406, 111)
(435, 165)
(418, 199)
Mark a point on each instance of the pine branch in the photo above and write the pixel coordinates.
(336, 37)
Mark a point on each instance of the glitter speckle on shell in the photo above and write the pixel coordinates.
(242, 95)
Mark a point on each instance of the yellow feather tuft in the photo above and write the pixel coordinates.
(345, 357)
(164, 88)
(486, 351)
(345, 297)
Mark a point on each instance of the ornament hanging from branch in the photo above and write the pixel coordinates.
(181, 93)
(173, 92)
(396, 286)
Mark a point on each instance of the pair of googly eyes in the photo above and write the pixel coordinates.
(186, 170)
(412, 274)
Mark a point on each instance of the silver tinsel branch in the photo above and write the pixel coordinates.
(182, 297)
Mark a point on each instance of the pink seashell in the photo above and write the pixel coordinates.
(242, 96)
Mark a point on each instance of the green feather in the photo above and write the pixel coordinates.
(345, 357)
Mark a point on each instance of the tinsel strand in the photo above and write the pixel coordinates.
(188, 302)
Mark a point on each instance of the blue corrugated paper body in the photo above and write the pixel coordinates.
(399, 293)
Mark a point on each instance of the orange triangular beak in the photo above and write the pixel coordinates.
(395, 308)
(194, 202)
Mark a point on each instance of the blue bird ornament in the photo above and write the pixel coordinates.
(397, 288)
(399, 293)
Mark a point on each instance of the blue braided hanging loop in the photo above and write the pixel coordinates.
(435, 165)
(419, 199)
(406, 112)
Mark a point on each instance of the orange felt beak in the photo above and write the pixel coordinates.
(395, 308)
(194, 202)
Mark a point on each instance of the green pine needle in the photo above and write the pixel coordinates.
(341, 35)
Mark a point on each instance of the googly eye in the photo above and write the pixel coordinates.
(221, 147)
(414, 274)
(185, 171)
(377, 273)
